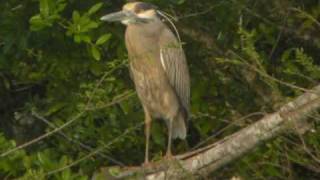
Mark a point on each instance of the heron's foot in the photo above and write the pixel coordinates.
(146, 164)
(169, 156)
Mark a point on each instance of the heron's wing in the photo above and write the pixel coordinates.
(174, 63)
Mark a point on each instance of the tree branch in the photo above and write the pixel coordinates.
(204, 161)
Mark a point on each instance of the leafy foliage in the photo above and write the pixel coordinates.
(59, 64)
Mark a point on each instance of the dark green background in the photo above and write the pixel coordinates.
(58, 61)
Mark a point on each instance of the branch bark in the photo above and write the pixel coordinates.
(206, 160)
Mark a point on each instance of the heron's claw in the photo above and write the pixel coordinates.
(168, 156)
(146, 164)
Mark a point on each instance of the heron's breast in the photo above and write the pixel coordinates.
(151, 82)
(155, 92)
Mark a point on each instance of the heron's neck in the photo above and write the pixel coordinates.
(143, 40)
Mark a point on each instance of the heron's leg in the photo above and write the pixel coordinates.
(147, 134)
(169, 154)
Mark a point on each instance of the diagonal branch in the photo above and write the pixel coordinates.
(212, 157)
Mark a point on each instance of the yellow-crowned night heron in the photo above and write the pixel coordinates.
(158, 67)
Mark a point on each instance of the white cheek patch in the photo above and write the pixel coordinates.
(144, 16)
(150, 14)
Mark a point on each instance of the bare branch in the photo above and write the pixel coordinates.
(70, 139)
(206, 160)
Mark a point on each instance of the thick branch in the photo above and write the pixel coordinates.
(208, 159)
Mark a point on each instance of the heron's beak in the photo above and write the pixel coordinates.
(116, 16)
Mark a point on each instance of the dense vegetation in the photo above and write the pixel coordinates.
(59, 64)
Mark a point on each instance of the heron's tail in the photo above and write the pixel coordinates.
(179, 126)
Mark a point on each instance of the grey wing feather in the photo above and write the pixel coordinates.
(174, 63)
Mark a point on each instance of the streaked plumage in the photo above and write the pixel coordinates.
(158, 67)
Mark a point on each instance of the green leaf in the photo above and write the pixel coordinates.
(44, 159)
(157, 134)
(37, 23)
(181, 2)
(95, 8)
(102, 39)
(75, 16)
(77, 38)
(44, 7)
(66, 174)
(86, 38)
(90, 25)
(95, 52)
(60, 7)
(96, 69)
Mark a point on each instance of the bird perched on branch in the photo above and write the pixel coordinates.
(158, 67)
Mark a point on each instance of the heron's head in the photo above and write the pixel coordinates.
(133, 13)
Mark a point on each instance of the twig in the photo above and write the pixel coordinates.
(307, 15)
(97, 150)
(17, 7)
(278, 37)
(305, 148)
(270, 77)
(225, 128)
(201, 12)
(117, 99)
(76, 117)
(84, 146)
(39, 138)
